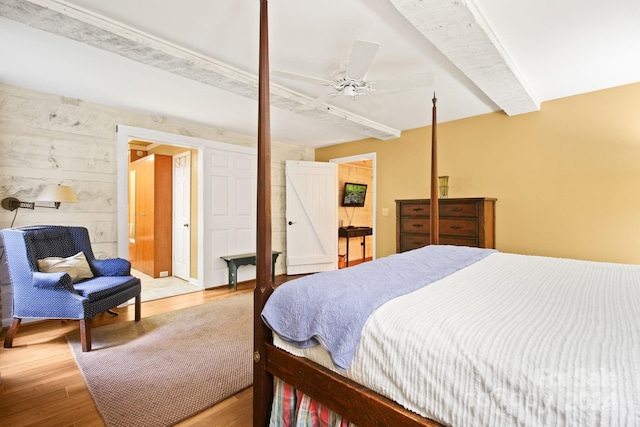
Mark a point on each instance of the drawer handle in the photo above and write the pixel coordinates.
(417, 209)
(417, 225)
(455, 227)
(456, 209)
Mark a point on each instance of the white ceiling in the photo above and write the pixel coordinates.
(549, 49)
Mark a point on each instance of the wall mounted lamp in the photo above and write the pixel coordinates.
(51, 193)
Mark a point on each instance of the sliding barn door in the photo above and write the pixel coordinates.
(311, 216)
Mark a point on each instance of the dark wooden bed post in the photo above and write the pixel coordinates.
(352, 400)
(435, 220)
(262, 380)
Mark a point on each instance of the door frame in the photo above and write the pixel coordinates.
(124, 134)
(356, 158)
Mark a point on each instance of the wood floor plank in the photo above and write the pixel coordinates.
(236, 411)
(64, 385)
(41, 373)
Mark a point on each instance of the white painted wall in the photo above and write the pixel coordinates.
(49, 139)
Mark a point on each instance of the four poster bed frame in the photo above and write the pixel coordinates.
(353, 402)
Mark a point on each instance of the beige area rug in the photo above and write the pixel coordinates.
(168, 367)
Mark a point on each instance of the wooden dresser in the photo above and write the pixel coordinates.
(463, 222)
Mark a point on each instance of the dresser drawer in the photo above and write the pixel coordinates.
(458, 227)
(413, 241)
(415, 225)
(414, 209)
(446, 209)
(458, 210)
(459, 241)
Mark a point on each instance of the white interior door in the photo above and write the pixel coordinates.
(311, 215)
(182, 215)
(230, 186)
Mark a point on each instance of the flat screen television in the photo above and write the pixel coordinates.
(354, 194)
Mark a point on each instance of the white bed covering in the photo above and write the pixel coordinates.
(511, 340)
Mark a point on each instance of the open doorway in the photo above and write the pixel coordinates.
(356, 228)
(160, 216)
(223, 187)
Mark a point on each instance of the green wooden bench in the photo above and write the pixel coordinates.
(235, 261)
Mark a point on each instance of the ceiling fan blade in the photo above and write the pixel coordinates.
(300, 77)
(361, 56)
(316, 102)
(404, 83)
(369, 102)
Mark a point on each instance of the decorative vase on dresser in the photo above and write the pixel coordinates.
(463, 222)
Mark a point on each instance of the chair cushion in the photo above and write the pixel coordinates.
(76, 266)
(103, 286)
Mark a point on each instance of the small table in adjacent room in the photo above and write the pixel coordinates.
(349, 232)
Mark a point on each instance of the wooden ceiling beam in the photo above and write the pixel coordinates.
(92, 29)
(459, 30)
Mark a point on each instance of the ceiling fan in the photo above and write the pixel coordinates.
(350, 79)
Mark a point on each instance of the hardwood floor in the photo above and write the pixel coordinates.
(42, 385)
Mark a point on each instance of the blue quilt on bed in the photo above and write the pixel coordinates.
(331, 308)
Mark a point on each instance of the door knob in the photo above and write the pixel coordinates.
(186, 225)
(291, 222)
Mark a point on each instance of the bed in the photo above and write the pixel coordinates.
(501, 339)
(504, 340)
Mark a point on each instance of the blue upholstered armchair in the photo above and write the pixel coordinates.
(66, 287)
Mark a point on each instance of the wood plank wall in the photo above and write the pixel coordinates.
(49, 139)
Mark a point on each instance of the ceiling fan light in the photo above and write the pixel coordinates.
(349, 91)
